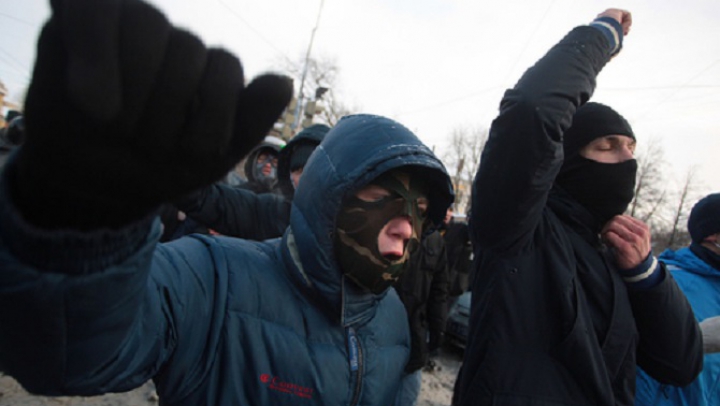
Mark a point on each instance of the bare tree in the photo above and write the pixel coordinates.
(320, 83)
(680, 237)
(462, 157)
(673, 233)
(650, 184)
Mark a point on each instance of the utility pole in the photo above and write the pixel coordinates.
(299, 106)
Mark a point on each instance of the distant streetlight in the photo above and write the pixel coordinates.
(305, 68)
(320, 91)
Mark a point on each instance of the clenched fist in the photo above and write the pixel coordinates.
(629, 239)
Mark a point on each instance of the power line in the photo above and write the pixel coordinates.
(652, 88)
(527, 43)
(18, 64)
(11, 70)
(17, 19)
(239, 17)
(678, 89)
(450, 101)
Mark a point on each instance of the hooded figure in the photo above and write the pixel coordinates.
(238, 212)
(217, 320)
(294, 156)
(261, 166)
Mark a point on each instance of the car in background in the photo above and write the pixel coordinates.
(458, 321)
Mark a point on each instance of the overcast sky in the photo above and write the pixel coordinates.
(436, 65)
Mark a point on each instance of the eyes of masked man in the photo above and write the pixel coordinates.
(379, 227)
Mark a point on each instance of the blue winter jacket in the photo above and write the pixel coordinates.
(701, 284)
(214, 320)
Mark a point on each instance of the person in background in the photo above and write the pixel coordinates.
(239, 212)
(423, 289)
(294, 156)
(261, 166)
(12, 135)
(696, 269)
(567, 298)
(460, 255)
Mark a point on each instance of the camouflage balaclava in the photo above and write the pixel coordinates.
(359, 224)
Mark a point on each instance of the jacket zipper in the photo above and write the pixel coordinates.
(355, 356)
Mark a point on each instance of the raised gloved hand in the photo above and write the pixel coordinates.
(711, 334)
(125, 112)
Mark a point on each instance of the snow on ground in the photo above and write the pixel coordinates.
(437, 386)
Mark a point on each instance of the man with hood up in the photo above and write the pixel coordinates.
(261, 166)
(93, 304)
(697, 271)
(239, 212)
(295, 155)
(567, 298)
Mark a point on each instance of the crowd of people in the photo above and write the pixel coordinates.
(137, 244)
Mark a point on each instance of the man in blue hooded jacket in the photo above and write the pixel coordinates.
(696, 270)
(93, 304)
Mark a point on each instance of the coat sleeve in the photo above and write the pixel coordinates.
(671, 355)
(524, 153)
(97, 312)
(238, 212)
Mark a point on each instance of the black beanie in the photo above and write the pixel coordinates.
(11, 114)
(300, 154)
(704, 218)
(591, 121)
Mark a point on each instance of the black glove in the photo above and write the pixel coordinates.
(435, 341)
(125, 112)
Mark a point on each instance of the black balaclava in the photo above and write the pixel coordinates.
(359, 224)
(605, 190)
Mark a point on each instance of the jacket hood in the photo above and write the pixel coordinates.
(353, 153)
(685, 259)
(312, 135)
(271, 144)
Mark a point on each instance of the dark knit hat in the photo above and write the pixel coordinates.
(591, 121)
(704, 218)
(11, 114)
(300, 155)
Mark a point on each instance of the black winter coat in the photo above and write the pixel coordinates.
(238, 212)
(551, 322)
(423, 289)
(459, 256)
